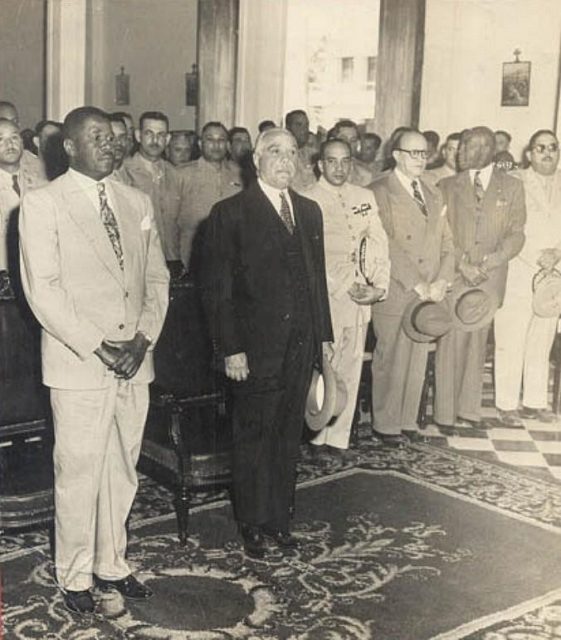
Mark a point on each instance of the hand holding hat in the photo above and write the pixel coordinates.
(549, 258)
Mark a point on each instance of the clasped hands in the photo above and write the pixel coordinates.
(549, 258)
(365, 293)
(435, 291)
(123, 357)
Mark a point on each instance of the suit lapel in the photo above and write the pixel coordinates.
(87, 220)
(303, 233)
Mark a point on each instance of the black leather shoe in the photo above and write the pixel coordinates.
(253, 543)
(129, 587)
(392, 439)
(281, 538)
(463, 423)
(78, 601)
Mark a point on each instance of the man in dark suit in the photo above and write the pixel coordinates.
(487, 213)
(264, 289)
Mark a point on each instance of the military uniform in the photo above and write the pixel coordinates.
(350, 215)
(161, 183)
(205, 185)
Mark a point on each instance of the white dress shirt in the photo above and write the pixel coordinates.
(274, 196)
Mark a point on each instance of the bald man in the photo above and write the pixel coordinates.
(422, 267)
(487, 213)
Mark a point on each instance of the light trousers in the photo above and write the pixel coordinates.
(347, 359)
(98, 435)
(522, 346)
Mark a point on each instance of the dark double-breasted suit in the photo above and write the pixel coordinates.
(494, 231)
(265, 294)
(421, 250)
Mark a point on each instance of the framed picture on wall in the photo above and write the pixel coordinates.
(516, 84)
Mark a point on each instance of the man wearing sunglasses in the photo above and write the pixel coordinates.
(422, 266)
(486, 211)
(523, 340)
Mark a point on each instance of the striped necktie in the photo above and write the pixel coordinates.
(478, 187)
(418, 197)
(110, 223)
(285, 213)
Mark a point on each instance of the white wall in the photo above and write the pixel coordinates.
(466, 42)
(261, 54)
(156, 42)
(22, 45)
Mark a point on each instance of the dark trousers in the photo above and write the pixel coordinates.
(268, 418)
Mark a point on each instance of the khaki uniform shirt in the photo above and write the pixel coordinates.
(205, 185)
(350, 216)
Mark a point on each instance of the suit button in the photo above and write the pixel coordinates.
(126, 294)
(121, 326)
(421, 261)
(286, 316)
(408, 237)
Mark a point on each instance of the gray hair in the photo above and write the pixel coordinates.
(264, 136)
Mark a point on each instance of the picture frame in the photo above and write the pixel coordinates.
(516, 84)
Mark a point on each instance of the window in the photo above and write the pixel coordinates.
(371, 71)
(330, 63)
(347, 68)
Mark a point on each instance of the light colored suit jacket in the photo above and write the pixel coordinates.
(74, 284)
(421, 249)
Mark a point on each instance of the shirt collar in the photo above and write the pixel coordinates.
(8, 178)
(484, 175)
(331, 187)
(84, 180)
(407, 181)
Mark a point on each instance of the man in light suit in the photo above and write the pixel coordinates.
(523, 340)
(264, 290)
(422, 267)
(486, 211)
(94, 275)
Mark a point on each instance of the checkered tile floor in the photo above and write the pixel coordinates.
(536, 446)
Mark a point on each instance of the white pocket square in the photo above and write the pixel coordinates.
(146, 225)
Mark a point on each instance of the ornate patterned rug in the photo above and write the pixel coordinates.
(404, 544)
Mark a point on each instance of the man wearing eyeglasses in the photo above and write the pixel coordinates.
(422, 266)
(486, 211)
(523, 340)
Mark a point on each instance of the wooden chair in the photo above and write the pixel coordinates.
(187, 440)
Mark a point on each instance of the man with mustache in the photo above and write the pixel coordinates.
(264, 290)
(94, 275)
(358, 275)
(157, 178)
(15, 181)
(486, 211)
(522, 339)
(120, 144)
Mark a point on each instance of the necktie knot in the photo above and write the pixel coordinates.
(285, 214)
(418, 197)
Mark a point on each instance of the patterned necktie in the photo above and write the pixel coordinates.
(285, 213)
(15, 184)
(478, 187)
(418, 197)
(110, 223)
